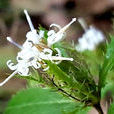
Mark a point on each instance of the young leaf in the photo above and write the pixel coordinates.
(80, 87)
(40, 101)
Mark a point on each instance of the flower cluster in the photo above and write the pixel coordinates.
(90, 39)
(34, 52)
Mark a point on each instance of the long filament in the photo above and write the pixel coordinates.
(14, 43)
(67, 26)
(7, 79)
(29, 20)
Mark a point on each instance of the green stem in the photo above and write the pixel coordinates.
(98, 108)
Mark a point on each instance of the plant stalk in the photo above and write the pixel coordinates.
(98, 108)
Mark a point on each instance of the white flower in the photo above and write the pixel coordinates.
(90, 39)
(32, 57)
(26, 58)
(33, 52)
(54, 37)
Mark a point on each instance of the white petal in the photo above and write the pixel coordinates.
(41, 33)
(23, 68)
(33, 36)
(36, 65)
(11, 65)
(51, 32)
(47, 51)
(58, 52)
(55, 25)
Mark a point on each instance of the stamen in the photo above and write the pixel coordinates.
(61, 58)
(67, 26)
(83, 23)
(29, 20)
(7, 79)
(58, 58)
(14, 43)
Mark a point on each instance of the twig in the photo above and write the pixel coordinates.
(63, 91)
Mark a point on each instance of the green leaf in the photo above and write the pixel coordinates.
(107, 65)
(40, 101)
(108, 91)
(56, 71)
(83, 110)
(111, 109)
(80, 110)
